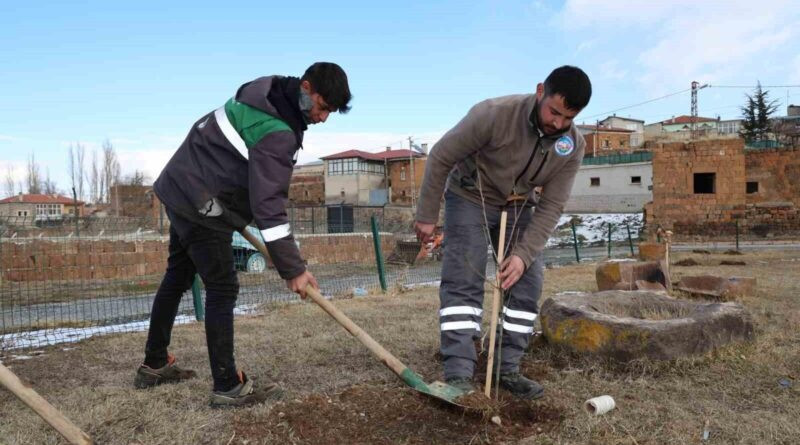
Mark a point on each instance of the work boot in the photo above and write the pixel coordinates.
(245, 394)
(520, 386)
(147, 377)
(462, 383)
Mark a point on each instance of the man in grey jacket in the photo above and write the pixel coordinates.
(234, 167)
(489, 162)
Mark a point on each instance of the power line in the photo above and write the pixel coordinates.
(640, 103)
(754, 86)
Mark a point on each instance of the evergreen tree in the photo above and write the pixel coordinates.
(756, 114)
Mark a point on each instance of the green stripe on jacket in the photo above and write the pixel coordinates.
(251, 123)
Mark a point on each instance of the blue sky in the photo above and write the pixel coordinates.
(140, 73)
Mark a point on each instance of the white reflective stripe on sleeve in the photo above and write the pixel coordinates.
(456, 325)
(530, 316)
(230, 134)
(277, 232)
(460, 310)
(517, 328)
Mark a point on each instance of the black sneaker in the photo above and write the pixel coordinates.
(147, 377)
(245, 394)
(462, 383)
(521, 386)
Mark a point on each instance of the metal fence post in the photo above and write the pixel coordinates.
(199, 312)
(609, 240)
(575, 241)
(378, 253)
(630, 240)
(313, 221)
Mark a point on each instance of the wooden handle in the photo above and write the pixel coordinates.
(43, 408)
(385, 356)
(495, 304)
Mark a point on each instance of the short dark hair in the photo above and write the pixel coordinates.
(329, 81)
(572, 84)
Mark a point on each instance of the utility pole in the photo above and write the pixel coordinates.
(695, 86)
(413, 179)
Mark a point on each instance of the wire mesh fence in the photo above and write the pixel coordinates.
(68, 280)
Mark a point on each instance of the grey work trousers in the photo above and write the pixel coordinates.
(462, 289)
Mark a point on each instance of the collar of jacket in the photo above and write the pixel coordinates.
(532, 111)
(284, 95)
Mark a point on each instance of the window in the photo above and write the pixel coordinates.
(342, 193)
(305, 193)
(22, 213)
(752, 187)
(606, 143)
(403, 174)
(594, 182)
(636, 180)
(622, 143)
(704, 183)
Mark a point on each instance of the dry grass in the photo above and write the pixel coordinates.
(736, 389)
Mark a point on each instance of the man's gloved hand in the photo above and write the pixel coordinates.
(424, 231)
(511, 271)
(298, 283)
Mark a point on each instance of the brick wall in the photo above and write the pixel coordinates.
(606, 143)
(777, 172)
(105, 260)
(307, 190)
(400, 178)
(81, 260)
(677, 207)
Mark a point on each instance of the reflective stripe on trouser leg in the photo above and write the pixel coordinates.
(519, 314)
(461, 291)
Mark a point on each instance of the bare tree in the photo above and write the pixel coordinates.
(136, 178)
(95, 187)
(80, 154)
(48, 185)
(10, 185)
(73, 175)
(34, 176)
(111, 169)
(77, 170)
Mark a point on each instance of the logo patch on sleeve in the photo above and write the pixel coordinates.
(564, 146)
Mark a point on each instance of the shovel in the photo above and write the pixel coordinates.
(438, 390)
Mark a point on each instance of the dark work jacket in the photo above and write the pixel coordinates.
(235, 166)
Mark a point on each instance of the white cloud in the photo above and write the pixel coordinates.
(611, 70)
(8, 138)
(669, 44)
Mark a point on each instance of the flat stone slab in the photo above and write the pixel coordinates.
(628, 325)
(624, 275)
(722, 288)
(652, 251)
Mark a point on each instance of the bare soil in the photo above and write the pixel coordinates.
(331, 380)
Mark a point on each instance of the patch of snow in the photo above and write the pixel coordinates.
(593, 228)
(436, 283)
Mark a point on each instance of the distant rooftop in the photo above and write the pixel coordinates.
(380, 156)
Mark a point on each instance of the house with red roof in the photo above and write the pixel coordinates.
(359, 177)
(680, 128)
(40, 207)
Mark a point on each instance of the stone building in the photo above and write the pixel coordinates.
(706, 187)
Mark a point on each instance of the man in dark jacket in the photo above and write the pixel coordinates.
(233, 168)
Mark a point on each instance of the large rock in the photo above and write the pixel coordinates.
(652, 251)
(725, 289)
(627, 325)
(624, 275)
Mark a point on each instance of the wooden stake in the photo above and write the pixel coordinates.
(495, 303)
(43, 408)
